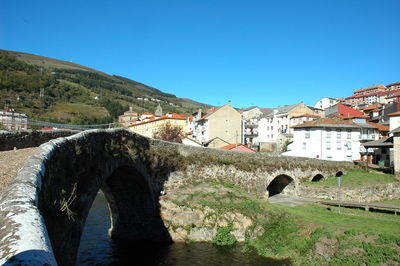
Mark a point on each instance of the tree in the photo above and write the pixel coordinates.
(169, 132)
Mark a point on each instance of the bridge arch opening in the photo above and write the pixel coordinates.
(340, 173)
(129, 219)
(317, 178)
(133, 206)
(278, 184)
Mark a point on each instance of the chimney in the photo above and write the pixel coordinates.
(199, 114)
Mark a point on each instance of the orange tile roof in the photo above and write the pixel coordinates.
(379, 127)
(380, 86)
(233, 146)
(371, 107)
(352, 116)
(327, 121)
(305, 115)
(147, 113)
(153, 119)
(394, 114)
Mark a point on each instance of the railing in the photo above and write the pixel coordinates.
(35, 123)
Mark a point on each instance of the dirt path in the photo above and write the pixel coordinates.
(10, 163)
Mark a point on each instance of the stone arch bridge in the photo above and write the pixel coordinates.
(43, 212)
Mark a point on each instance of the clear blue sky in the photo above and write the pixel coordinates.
(264, 53)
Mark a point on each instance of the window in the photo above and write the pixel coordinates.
(349, 146)
(349, 158)
(307, 133)
(349, 134)
(304, 145)
(339, 145)
(329, 157)
(328, 133)
(328, 145)
(338, 133)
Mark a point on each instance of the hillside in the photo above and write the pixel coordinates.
(76, 94)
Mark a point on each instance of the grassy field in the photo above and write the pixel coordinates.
(310, 234)
(356, 178)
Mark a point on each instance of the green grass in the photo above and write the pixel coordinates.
(336, 218)
(292, 232)
(356, 178)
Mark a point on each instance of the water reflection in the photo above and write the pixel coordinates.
(96, 248)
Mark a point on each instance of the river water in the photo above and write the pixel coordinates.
(96, 248)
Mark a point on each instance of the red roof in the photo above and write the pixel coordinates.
(379, 127)
(345, 111)
(239, 146)
(394, 114)
(371, 88)
(147, 113)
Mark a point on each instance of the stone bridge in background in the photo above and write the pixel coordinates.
(43, 212)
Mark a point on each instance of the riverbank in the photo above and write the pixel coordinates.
(221, 213)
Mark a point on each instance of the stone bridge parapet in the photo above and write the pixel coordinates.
(42, 213)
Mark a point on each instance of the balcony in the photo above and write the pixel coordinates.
(251, 135)
(251, 125)
(367, 136)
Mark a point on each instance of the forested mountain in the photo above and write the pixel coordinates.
(59, 91)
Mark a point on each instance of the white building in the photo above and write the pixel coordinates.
(332, 139)
(394, 121)
(281, 120)
(251, 117)
(13, 120)
(325, 103)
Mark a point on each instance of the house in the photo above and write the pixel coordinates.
(281, 120)
(13, 120)
(374, 94)
(152, 124)
(223, 122)
(394, 86)
(374, 112)
(382, 129)
(251, 117)
(332, 139)
(145, 115)
(325, 103)
(128, 118)
(396, 150)
(237, 147)
(189, 141)
(342, 111)
(394, 120)
(215, 142)
(380, 151)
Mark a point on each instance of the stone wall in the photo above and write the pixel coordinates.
(353, 194)
(28, 139)
(42, 213)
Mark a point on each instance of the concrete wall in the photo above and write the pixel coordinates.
(27, 139)
(225, 123)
